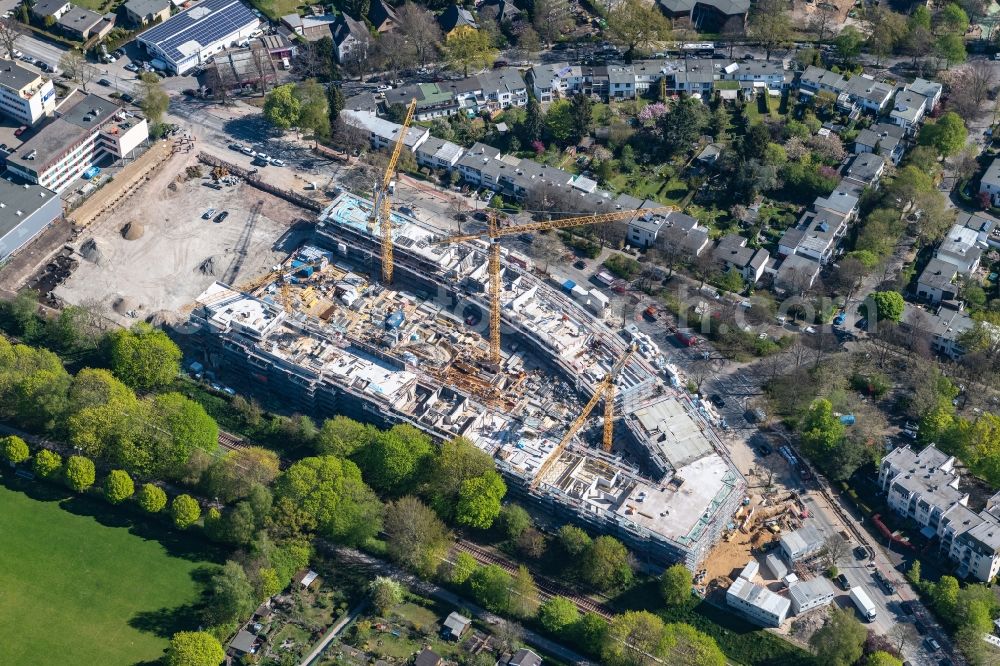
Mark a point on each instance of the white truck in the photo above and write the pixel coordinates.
(864, 603)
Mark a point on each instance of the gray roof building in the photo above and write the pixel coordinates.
(866, 168)
(809, 594)
(60, 135)
(16, 76)
(79, 21)
(936, 282)
(455, 625)
(44, 8)
(797, 273)
(524, 657)
(146, 9)
(26, 210)
(454, 16)
(801, 543)
(839, 202)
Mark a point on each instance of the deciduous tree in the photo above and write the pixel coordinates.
(479, 500)
(46, 463)
(523, 594)
(14, 449)
(194, 648)
(769, 25)
(79, 473)
(385, 594)
(391, 462)
(947, 134)
(635, 638)
(144, 357)
(839, 640)
(606, 565)
(415, 536)
(185, 511)
(118, 486)
(675, 585)
(230, 596)
(235, 474)
(151, 498)
(152, 99)
(552, 19)
(467, 47)
(558, 614)
(421, 30)
(491, 587)
(635, 24)
(282, 107)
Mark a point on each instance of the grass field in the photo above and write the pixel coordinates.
(81, 585)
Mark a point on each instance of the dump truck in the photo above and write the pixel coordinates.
(863, 603)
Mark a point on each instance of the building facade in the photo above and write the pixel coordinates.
(25, 95)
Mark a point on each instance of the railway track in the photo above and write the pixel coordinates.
(231, 442)
(546, 589)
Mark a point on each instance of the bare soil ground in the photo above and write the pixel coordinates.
(178, 253)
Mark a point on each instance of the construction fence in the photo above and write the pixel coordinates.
(252, 177)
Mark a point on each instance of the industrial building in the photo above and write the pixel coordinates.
(757, 603)
(809, 594)
(86, 129)
(329, 341)
(802, 543)
(190, 38)
(26, 210)
(25, 95)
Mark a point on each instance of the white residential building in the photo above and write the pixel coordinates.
(990, 182)
(908, 109)
(438, 154)
(25, 95)
(921, 486)
(382, 133)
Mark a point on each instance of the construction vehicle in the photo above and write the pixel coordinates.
(493, 234)
(382, 210)
(605, 389)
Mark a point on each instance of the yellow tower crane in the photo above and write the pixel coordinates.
(605, 389)
(381, 212)
(493, 234)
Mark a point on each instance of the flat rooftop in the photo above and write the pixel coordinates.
(16, 76)
(77, 118)
(18, 200)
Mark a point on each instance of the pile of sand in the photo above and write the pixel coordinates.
(90, 252)
(123, 305)
(132, 231)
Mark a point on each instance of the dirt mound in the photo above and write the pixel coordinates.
(133, 231)
(123, 305)
(91, 252)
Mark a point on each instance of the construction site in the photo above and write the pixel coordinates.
(158, 251)
(327, 336)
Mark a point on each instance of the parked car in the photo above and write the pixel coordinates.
(717, 400)
(20, 130)
(580, 265)
(221, 216)
(207, 215)
(132, 67)
(128, 98)
(843, 582)
(932, 644)
(104, 82)
(278, 163)
(860, 553)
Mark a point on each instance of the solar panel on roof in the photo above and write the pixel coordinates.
(207, 22)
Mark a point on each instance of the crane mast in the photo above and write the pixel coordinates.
(382, 210)
(493, 234)
(605, 389)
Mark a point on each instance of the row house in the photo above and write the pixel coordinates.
(438, 154)
(488, 92)
(908, 110)
(883, 139)
(732, 252)
(858, 93)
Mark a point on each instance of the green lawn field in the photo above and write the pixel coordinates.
(80, 585)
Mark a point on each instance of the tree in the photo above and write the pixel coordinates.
(951, 49)
(675, 585)
(234, 475)
(181, 425)
(46, 463)
(848, 44)
(152, 99)
(144, 357)
(886, 31)
(79, 473)
(834, 550)
(515, 520)
(334, 103)
(342, 437)
(454, 462)
(559, 123)
(840, 640)
(947, 134)
(467, 47)
(415, 536)
(421, 30)
(194, 648)
(635, 638)
(230, 596)
(558, 614)
(913, 574)
(534, 121)
(551, 18)
(952, 19)
(390, 463)
(313, 114)
(462, 569)
(635, 24)
(282, 107)
(74, 66)
(479, 500)
(581, 111)
(327, 493)
(11, 30)
(523, 594)
(822, 21)
(606, 564)
(385, 593)
(769, 25)
(690, 647)
(118, 486)
(151, 498)
(491, 586)
(14, 449)
(881, 658)
(885, 306)
(185, 511)
(681, 127)
(822, 432)
(574, 541)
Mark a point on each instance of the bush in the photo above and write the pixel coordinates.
(185, 511)
(623, 267)
(151, 498)
(118, 487)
